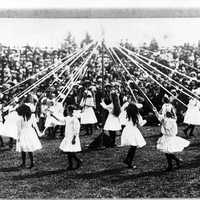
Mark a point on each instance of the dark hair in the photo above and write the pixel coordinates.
(69, 108)
(24, 111)
(116, 105)
(166, 100)
(28, 99)
(170, 114)
(132, 112)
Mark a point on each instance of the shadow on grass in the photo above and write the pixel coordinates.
(92, 175)
(193, 145)
(39, 174)
(3, 149)
(195, 163)
(120, 179)
(9, 169)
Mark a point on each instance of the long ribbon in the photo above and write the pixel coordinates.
(40, 72)
(134, 97)
(141, 91)
(42, 79)
(183, 63)
(80, 70)
(142, 68)
(72, 62)
(189, 92)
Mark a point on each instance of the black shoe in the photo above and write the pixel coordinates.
(128, 163)
(22, 165)
(168, 169)
(125, 162)
(70, 168)
(31, 166)
(132, 167)
(185, 132)
(191, 135)
(78, 164)
(179, 163)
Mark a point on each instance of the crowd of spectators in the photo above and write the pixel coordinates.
(17, 65)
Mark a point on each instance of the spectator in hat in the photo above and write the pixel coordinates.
(88, 117)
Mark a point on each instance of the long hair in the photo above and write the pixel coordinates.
(116, 105)
(24, 111)
(132, 113)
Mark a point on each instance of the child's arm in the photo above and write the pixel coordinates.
(160, 118)
(107, 107)
(19, 128)
(89, 102)
(58, 119)
(76, 129)
(35, 126)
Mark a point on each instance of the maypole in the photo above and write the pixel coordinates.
(102, 61)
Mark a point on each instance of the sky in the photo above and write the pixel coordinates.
(10, 4)
(51, 32)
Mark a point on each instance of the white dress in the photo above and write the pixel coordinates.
(1, 123)
(51, 121)
(167, 107)
(87, 115)
(122, 116)
(28, 139)
(192, 115)
(72, 128)
(9, 128)
(131, 136)
(169, 142)
(112, 122)
(59, 112)
(31, 106)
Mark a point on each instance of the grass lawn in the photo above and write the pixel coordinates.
(102, 174)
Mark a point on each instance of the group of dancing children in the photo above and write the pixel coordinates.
(125, 119)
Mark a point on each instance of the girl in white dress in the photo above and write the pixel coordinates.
(131, 135)
(123, 115)
(1, 124)
(71, 142)
(88, 117)
(167, 107)
(169, 143)
(192, 116)
(27, 140)
(112, 123)
(50, 122)
(9, 128)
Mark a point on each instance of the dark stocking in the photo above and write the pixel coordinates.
(130, 155)
(31, 159)
(69, 154)
(169, 161)
(191, 130)
(90, 128)
(176, 160)
(112, 137)
(11, 143)
(78, 161)
(23, 158)
(1, 141)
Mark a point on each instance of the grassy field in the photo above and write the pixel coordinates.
(102, 174)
